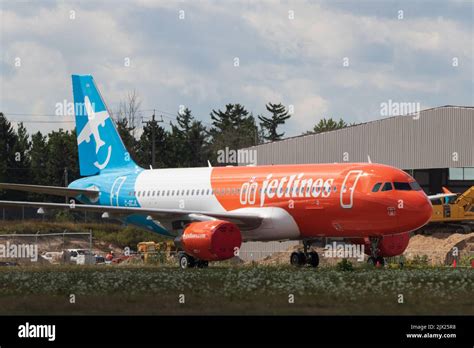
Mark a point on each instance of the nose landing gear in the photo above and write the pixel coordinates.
(301, 258)
(375, 259)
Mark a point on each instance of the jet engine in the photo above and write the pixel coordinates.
(213, 240)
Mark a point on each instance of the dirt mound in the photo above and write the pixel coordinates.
(439, 246)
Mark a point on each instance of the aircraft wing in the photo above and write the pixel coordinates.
(441, 195)
(243, 220)
(51, 190)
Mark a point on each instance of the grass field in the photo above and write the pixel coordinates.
(234, 290)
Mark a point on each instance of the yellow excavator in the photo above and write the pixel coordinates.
(455, 212)
(156, 252)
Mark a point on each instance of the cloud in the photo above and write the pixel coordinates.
(190, 62)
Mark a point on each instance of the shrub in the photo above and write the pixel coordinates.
(344, 265)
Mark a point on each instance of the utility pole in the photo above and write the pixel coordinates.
(153, 135)
(66, 181)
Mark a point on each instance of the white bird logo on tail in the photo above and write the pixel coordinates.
(95, 119)
(92, 126)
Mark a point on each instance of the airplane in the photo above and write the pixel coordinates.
(211, 211)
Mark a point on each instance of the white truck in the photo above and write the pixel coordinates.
(81, 256)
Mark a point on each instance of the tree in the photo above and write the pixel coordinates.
(38, 158)
(269, 125)
(8, 139)
(126, 133)
(129, 109)
(326, 125)
(233, 128)
(21, 151)
(188, 140)
(61, 155)
(153, 132)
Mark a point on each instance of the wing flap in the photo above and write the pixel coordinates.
(51, 190)
(441, 195)
(247, 220)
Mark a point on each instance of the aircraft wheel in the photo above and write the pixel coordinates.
(297, 259)
(313, 259)
(302, 257)
(186, 261)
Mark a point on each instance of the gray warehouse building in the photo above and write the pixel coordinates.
(436, 147)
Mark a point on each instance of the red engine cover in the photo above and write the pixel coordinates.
(211, 240)
(390, 245)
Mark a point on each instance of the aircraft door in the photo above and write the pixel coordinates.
(115, 191)
(348, 187)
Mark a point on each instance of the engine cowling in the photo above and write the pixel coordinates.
(390, 245)
(214, 240)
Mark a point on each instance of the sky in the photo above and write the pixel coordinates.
(340, 59)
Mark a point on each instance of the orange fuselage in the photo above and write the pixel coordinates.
(335, 200)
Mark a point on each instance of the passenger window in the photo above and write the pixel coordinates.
(402, 186)
(387, 186)
(376, 187)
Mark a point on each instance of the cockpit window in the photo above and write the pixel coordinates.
(376, 187)
(387, 186)
(402, 186)
(415, 186)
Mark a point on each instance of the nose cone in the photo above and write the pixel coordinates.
(416, 213)
(425, 211)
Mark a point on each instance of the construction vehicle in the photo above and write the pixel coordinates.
(454, 213)
(156, 251)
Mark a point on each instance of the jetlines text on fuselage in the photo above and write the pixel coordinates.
(294, 186)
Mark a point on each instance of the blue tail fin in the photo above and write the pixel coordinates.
(100, 146)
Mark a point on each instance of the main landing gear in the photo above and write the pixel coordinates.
(375, 259)
(301, 258)
(187, 261)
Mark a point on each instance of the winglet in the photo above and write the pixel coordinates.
(445, 190)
